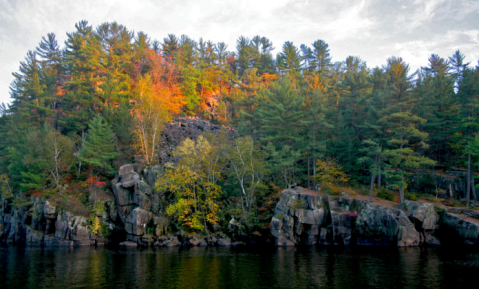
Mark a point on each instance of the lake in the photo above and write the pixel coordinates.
(242, 267)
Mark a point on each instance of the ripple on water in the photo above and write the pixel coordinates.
(246, 267)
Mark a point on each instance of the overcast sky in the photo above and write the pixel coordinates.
(371, 29)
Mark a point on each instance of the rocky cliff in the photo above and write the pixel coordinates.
(42, 224)
(308, 217)
(134, 217)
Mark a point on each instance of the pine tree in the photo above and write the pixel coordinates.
(438, 105)
(82, 64)
(315, 126)
(405, 140)
(280, 114)
(468, 95)
(27, 92)
(99, 148)
(243, 54)
(115, 64)
(374, 133)
(350, 116)
(289, 59)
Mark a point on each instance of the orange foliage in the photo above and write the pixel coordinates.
(157, 99)
(267, 78)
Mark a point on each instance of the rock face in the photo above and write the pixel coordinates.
(136, 215)
(459, 229)
(176, 131)
(138, 208)
(42, 224)
(298, 218)
(308, 217)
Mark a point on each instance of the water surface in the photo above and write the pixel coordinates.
(247, 267)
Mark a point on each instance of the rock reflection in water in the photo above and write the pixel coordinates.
(266, 267)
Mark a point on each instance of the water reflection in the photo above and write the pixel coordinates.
(309, 267)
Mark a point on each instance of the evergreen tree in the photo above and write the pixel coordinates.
(98, 151)
(405, 140)
(468, 95)
(350, 117)
(170, 47)
(280, 114)
(243, 53)
(289, 59)
(438, 105)
(83, 67)
(27, 92)
(315, 128)
(115, 64)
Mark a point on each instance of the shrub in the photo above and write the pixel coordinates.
(385, 194)
(412, 196)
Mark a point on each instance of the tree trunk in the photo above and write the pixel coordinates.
(468, 195)
(473, 186)
(401, 196)
(309, 173)
(379, 176)
(286, 183)
(371, 187)
(401, 192)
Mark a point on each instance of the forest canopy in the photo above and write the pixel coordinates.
(102, 99)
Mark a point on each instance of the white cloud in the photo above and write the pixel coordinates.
(424, 11)
(350, 24)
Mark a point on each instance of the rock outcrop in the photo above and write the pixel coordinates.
(458, 229)
(42, 224)
(134, 216)
(308, 217)
(176, 131)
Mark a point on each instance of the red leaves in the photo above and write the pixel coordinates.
(93, 181)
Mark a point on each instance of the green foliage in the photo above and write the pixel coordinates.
(299, 204)
(412, 196)
(280, 114)
(41, 159)
(247, 169)
(99, 147)
(385, 194)
(105, 232)
(282, 162)
(472, 147)
(293, 114)
(5, 187)
(20, 201)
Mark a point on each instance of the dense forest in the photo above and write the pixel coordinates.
(80, 111)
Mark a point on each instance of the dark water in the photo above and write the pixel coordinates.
(316, 267)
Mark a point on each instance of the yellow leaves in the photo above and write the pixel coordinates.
(315, 82)
(328, 171)
(95, 224)
(193, 150)
(5, 189)
(197, 198)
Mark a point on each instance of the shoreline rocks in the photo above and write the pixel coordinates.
(304, 217)
(301, 217)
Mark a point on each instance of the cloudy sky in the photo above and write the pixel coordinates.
(371, 29)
